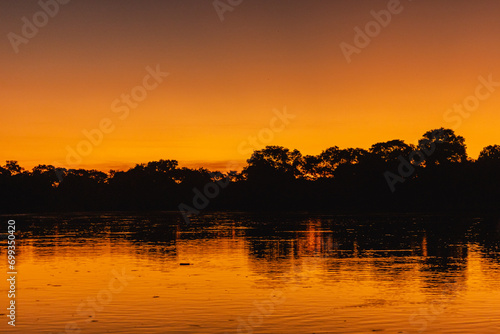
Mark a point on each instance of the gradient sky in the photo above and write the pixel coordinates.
(227, 77)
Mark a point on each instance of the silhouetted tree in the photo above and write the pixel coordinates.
(13, 167)
(277, 178)
(442, 146)
(272, 164)
(490, 154)
(390, 151)
(311, 169)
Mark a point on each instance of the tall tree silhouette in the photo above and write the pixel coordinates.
(490, 154)
(443, 146)
(273, 164)
(390, 151)
(277, 178)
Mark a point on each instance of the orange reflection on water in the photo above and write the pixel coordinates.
(312, 277)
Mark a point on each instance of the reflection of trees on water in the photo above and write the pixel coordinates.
(50, 237)
(391, 249)
(396, 250)
(488, 237)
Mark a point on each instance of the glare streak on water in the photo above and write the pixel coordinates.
(242, 273)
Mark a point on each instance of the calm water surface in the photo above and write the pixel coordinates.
(241, 273)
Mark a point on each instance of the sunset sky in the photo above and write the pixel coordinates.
(227, 78)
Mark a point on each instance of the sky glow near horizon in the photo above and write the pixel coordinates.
(227, 78)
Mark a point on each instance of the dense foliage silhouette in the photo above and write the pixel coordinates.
(434, 176)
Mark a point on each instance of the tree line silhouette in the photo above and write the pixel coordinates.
(436, 175)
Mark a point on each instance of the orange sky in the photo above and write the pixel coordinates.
(226, 78)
